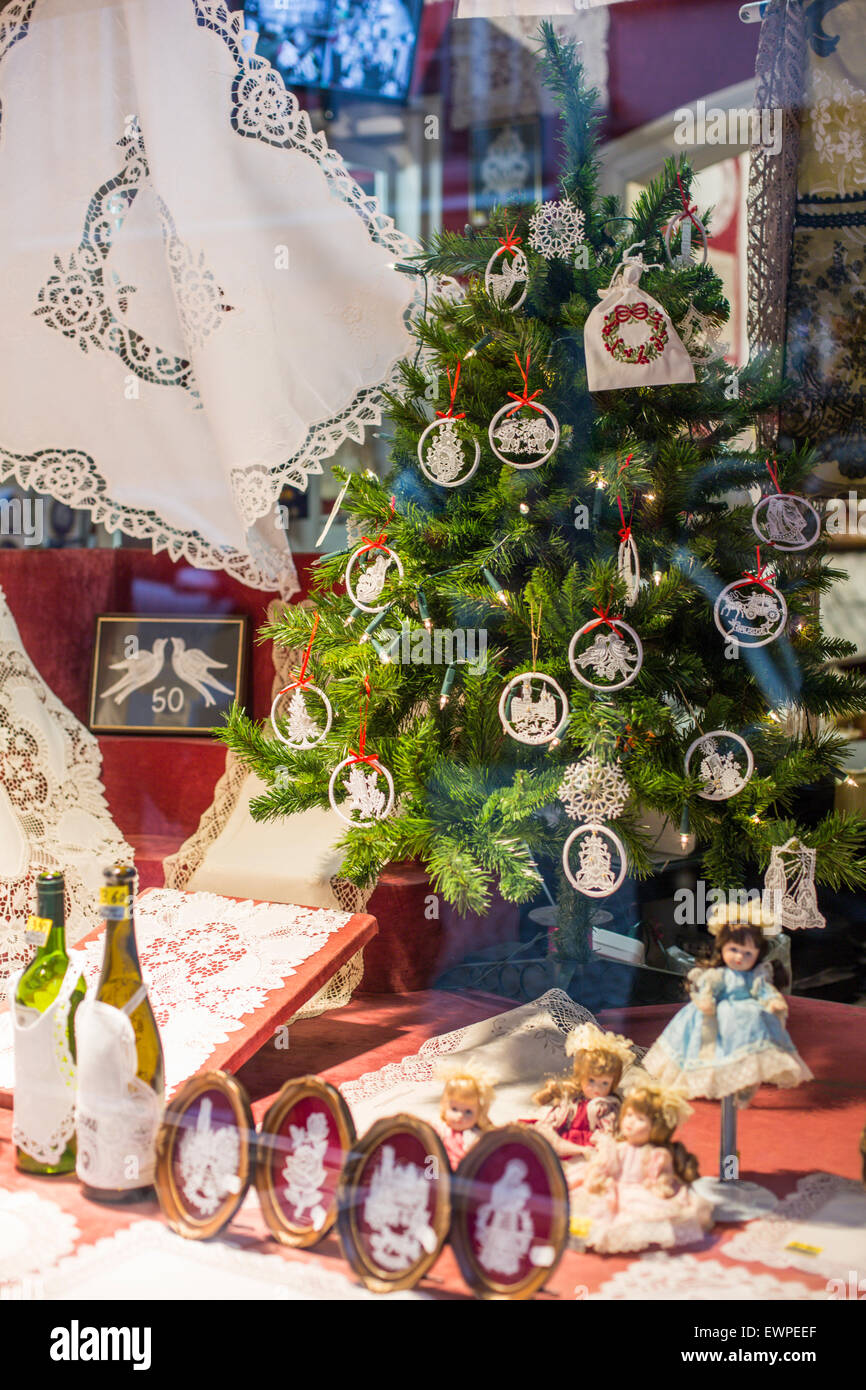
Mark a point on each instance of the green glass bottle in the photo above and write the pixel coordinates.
(113, 1170)
(39, 986)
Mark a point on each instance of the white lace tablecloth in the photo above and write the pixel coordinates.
(208, 962)
(820, 1229)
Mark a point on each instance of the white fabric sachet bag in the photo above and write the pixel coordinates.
(629, 339)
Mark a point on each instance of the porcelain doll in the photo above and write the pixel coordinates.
(731, 1037)
(635, 1190)
(584, 1104)
(464, 1111)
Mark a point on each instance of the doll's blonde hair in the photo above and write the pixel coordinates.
(472, 1083)
(665, 1108)
(595, 1053)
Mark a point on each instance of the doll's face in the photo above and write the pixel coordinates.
(740, 955)
(634, 1127)
(459, 1110)
(597, 1086)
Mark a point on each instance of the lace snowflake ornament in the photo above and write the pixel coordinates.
(556, 230)
(593, 791)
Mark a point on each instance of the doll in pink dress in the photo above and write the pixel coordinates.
(464, 1111)
(635, 1190)
(585, 1104)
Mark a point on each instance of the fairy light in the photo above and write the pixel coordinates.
(657, 577)
(685, 830)
(476, 347)
(524, 508)
(445, 692)
(496, 586)
(405, 268)
(650, 497)
(371, 627)
(352, 616)
(424, 610)
(383, 654)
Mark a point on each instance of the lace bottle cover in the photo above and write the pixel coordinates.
(117, 1114)
(43, 1119)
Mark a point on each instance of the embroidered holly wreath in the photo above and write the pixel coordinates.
(642, 353)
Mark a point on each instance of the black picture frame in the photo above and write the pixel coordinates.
(167, 703)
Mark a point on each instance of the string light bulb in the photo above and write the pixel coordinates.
(686, 841)
(524, 508)
(657, 577)
(495, 584)
(476, 347)
(445, 692)
(424, 610)
(371, 627)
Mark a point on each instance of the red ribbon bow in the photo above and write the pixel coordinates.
(303, 678)
(689, 211)
(624, 312)
(603, 617)
(449, 413)
(361, 756)
(525, 399)
(510, 241)
(750, 578)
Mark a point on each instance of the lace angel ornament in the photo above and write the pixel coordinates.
(505, 1227)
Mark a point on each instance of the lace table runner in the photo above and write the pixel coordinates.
(209, 963)
(820, 1229)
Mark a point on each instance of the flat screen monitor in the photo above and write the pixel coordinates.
(365, 48)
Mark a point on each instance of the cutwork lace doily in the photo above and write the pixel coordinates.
(50, 769)
(819, 1229)
(34, 1234)
(148, 1261)
(662, 1277)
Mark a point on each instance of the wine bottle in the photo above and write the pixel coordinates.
(43, 1116)
(121, 1075)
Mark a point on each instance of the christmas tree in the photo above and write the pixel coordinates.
(526, 522)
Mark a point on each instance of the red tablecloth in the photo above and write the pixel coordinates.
(783, 1135)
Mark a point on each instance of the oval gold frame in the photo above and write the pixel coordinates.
(480, 1282)
(175, 1211)
(375, 1278)
(283, 1230)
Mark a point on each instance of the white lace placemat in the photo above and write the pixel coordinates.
(820, 1228)
(208, 963)
(148, 1261)
(34, 1234)
(517, 1048)
(673, 1278)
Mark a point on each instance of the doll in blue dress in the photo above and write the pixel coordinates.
(731, 1038)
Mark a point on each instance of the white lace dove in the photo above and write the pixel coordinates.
(193, 666)
(139, 669)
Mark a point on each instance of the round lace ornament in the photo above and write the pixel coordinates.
(365, 801)
(614, 656)
(508, 283)
(302, 731)
(373, 572)
(724, 774)
(786, 521)
(593, 791)
(556, 230)
(595, 875)
(750, 613)
(531, 715)
(524, 441)
(685, 220)
(442, 453)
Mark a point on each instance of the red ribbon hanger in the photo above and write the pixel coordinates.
(449, 413)
(773, 470)
(303, 678)
(361, 756)
(379, 542)
(525, 399)
(603, 617)
(510, 241)
(689, 211)
(750, 578)
(625, 531)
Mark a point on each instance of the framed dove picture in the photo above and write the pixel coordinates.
(166, 675)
